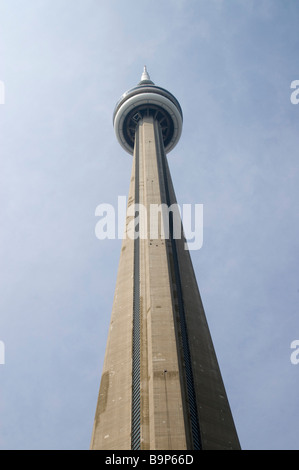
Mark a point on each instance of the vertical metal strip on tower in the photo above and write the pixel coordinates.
(136, 319)
(192, 412)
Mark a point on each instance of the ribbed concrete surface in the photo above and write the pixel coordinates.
(165, 422)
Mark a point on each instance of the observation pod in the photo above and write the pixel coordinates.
(147, 99)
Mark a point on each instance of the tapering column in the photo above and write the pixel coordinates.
(161, 386)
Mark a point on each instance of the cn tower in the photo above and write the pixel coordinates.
(161, 386)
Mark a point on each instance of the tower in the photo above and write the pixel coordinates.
(161, 386)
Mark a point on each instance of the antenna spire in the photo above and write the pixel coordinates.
(145, 78)
(145, 74)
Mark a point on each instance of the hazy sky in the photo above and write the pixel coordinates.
(65, 64)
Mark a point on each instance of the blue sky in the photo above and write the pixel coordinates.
(230, 63)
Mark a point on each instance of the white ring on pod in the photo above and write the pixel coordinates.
(148, 98)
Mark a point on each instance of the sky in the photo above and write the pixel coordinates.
(63, 66)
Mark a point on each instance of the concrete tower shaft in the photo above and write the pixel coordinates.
(161, 386)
